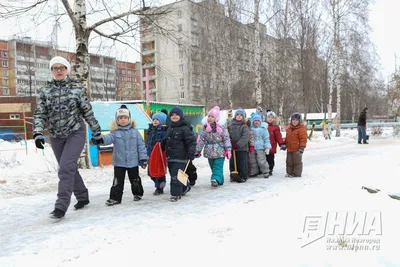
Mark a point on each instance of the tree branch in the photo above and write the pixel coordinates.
(71, 15)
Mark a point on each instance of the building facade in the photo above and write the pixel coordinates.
(24, 69)
(128, 81)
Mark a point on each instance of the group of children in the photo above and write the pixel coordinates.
(250, 146)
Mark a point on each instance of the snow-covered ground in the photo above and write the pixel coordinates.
(258, 223)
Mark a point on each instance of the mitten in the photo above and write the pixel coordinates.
(301, 151)
(251, 149)
(143, 163)
(267, 151)
(235, 144)
(197, 155)
(191, 156)
(39, 141)
(228, 154)
(283, 147)
(95, 142)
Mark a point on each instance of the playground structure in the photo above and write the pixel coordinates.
(7, 131)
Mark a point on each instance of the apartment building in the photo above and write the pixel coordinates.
(128, 81)
(24, 69)
(193, 60)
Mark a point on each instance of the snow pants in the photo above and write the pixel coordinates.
(217, 168)
(271, 161)
(294, 164)
(67, 151)
(159, 182)
(258, 162)
(176, 187)
(241, 163)
(117, 189)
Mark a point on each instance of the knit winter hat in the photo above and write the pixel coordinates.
(296, 116)
(161, 117)
(164, 111)
(255, 116)
(271, 113)
(177, 110)
(62, 61)
(240, 111)
(215, 112)
(122, 111)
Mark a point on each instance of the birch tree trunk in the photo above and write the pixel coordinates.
(257, 56)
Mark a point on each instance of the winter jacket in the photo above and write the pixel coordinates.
(296, 137)
(362, 119)
(261, 137)
(214, 143)
(240, 134)
(275, 137)
(180, 142)
(129, 146)
(62, 105)
(155, 134)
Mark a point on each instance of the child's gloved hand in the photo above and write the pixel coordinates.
(251, 149)
(283, 147)
(228, 154)
(143, 163)
(95, 142)
(267, 151)
(190, 156)
(197, 155)
(301, 151)
(235, 144)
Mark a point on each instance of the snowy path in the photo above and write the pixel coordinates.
(248, 224)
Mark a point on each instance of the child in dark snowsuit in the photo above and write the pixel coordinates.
(156, 133)
(180, 145)
(217, 145)
(240, 135)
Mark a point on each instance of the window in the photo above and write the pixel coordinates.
(4, 54)
(181, 81)
(182, 95)
(14, 116)
(195, 80)
(4, 63)
(5, 73)
(6, 82)
(179, 14)
(179, 27)
(180, 53)
(6, 91)
(181, 68)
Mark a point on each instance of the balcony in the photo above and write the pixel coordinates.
(148, 65)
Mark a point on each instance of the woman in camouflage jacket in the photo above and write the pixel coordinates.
(62, 107)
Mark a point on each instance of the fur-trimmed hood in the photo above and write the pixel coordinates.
(114, 126)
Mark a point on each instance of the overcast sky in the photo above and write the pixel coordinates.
(384, 20)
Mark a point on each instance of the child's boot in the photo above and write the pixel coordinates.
(112, 202)
(174, 198)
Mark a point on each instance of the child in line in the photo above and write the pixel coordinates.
(262, 147)
(180, 145)
(275, 138)
(217, 145)
(156, 133)
(251, 147)
(129, 152)
(239, 134)
(296, 141)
